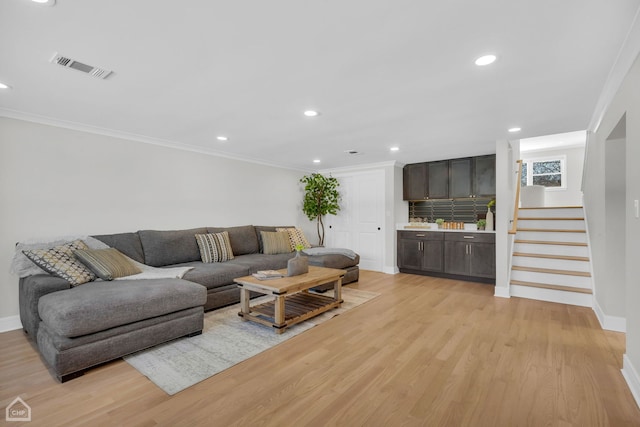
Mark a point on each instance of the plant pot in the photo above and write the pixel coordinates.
(297, 265)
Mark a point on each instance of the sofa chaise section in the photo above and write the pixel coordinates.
(99, 321)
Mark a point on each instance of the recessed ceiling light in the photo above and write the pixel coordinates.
(222, 138)
(394, 148)
(4, 86)
(316, 160)
(45, 2)
(514, 130)
(311, 113)
(485, 60)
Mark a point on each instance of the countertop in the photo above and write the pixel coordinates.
(469, 228)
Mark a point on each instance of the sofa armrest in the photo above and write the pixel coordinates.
(31, 288)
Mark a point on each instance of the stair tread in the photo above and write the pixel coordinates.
(553, 287)
(551, 230)
(552, 271)
(552, 207)
(564, 257)
(541, 218)
(547, 242)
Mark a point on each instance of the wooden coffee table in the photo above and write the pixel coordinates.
(293, 302)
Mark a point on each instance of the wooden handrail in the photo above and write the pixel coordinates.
(514, 224)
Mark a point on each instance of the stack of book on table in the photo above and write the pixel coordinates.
(268, 274)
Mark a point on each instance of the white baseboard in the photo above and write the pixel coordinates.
(391, 270)
(551, 295)
(631, 376)
(10, 323)
(502, 292)
(609, 323)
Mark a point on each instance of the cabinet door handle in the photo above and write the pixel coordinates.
(419, 235)
(422, 246)
(468, 237)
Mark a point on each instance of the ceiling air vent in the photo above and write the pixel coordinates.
(77, 65)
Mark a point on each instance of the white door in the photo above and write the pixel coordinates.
(359, 223)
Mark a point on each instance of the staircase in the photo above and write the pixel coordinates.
(550, 260)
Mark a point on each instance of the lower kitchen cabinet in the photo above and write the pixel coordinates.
(421, 251)
(469, 256)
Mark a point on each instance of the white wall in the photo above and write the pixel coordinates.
(56, 181)
(572, 194)
(625, 102)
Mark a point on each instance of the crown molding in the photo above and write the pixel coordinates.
(80, 127)
(624, 61)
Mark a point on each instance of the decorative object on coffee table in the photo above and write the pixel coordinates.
(298, 264)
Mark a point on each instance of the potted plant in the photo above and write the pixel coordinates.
(439, 221)
(481, 224)
(321, 198)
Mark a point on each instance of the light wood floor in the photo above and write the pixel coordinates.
(428, 351)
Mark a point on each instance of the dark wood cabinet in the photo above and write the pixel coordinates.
(466, 256)
(420, 251)
(438, 174)
(451, 179)
(484, 176)
(415, 182)
(460, 178)
(470, 254)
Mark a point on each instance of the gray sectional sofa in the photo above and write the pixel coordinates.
(76, 328)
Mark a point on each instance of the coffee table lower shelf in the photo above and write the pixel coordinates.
(298, 307)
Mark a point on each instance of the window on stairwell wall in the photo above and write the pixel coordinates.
(549, 172)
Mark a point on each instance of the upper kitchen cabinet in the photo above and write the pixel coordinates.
(451, 179)
(415, 182)
(484, 176)
(460, 178)
(438, 173)
(472, 177)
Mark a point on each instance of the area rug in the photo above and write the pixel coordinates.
(225, 341)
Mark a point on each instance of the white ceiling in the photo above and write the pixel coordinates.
(381, 73)
(560, 140)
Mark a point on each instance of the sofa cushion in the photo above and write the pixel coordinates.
(271, 228)
(243, 238)
(127, 243)
(170, 247)
(214, 247)
(255, 262)
(297, 237)
(107, 264)
(275, 242)
(333, 261)
(60, 262)
(101, 305)
(214, 274)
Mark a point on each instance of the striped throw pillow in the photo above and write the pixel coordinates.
(60, 262)
(214, 247)
(107, 264)
(275, 242)
(296, 237)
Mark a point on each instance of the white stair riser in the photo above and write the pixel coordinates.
(552, 279)
(563, 297)
(552, 237)
(552, 224)
(552, 213)
(556, 264)
(552, 249)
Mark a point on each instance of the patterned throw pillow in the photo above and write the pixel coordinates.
(214, 247)
(296, 237)
(60, 262)
(275, 242)
(107, 264)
